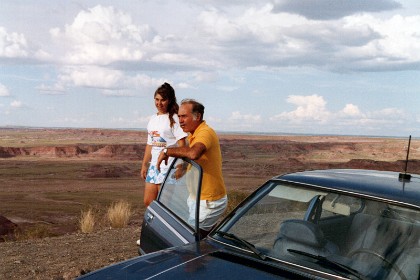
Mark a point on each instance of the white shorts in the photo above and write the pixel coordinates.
(210, 212)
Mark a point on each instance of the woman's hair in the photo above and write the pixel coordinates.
(167, 92)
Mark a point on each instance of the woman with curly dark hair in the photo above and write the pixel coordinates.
(163, 131)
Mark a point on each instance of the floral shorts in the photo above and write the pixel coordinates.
(154, 176)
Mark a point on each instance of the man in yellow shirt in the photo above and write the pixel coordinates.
(204, 148)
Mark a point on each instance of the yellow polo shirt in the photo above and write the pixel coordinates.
(213, 185)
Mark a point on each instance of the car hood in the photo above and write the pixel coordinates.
(198, 261)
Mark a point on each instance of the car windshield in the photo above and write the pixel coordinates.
(318, 228)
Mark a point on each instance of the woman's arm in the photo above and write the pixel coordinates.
(181, 142)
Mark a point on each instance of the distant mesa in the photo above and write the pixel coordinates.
(128, 151)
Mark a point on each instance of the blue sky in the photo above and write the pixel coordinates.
(349, 67)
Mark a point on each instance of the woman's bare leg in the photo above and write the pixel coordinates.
(150, 193)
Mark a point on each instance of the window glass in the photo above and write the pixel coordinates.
(180, 184)
(260, 225)
(336, 204)
(304, 225)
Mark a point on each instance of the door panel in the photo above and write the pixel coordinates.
(161, 229)
(167, 221)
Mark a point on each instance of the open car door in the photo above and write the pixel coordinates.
(167, 221)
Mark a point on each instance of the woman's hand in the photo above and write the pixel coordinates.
(143, 172)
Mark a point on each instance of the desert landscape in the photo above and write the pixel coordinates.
(48, 177)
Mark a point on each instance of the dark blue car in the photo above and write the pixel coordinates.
(325, 224)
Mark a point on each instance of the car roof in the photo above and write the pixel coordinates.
(383, 184)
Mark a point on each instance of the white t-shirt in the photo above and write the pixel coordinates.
(161, 134)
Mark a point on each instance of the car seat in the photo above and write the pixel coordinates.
(303, 236)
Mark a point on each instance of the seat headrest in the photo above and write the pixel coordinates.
(303, 232)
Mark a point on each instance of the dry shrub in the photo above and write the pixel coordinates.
(119, 214)
(33, 232)
(87, 221)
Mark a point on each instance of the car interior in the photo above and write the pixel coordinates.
(376, 238)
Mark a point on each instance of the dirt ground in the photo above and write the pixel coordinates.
(67, 256)
(48, 176)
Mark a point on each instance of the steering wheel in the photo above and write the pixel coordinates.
(389, 264)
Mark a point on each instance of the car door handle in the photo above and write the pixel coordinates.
(149, 217)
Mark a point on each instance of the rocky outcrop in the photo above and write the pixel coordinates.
(7, 152)
(129, 152)
(7, 229)
(124, 151)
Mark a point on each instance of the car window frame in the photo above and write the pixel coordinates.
(196, 228)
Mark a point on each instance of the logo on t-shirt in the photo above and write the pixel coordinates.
(157, 140)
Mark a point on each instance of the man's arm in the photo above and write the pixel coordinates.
(193, 153)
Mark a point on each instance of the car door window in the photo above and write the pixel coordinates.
(182, 182)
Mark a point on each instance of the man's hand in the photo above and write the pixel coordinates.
(162, 157)
(180, 171)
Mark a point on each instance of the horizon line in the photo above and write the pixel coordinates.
(263, 133)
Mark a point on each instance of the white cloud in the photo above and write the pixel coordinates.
(239, 117)
(73, 120)
(13, 44)
(4, 91)
(16, 104)
(388, 113)
(308, 108)
(117, 93)
(104, 35)
(227, 88)
(397, 45)
(136, 122)
(350, 110)
(214, 120)
(55, 89)
(183, 86)
(205, 77)
(247, 48)
(142, 81)
(91, 76)
(101, 35)
(236, 121)
(311, 114)
(112, 82)
(221, 27)
(357, 42)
